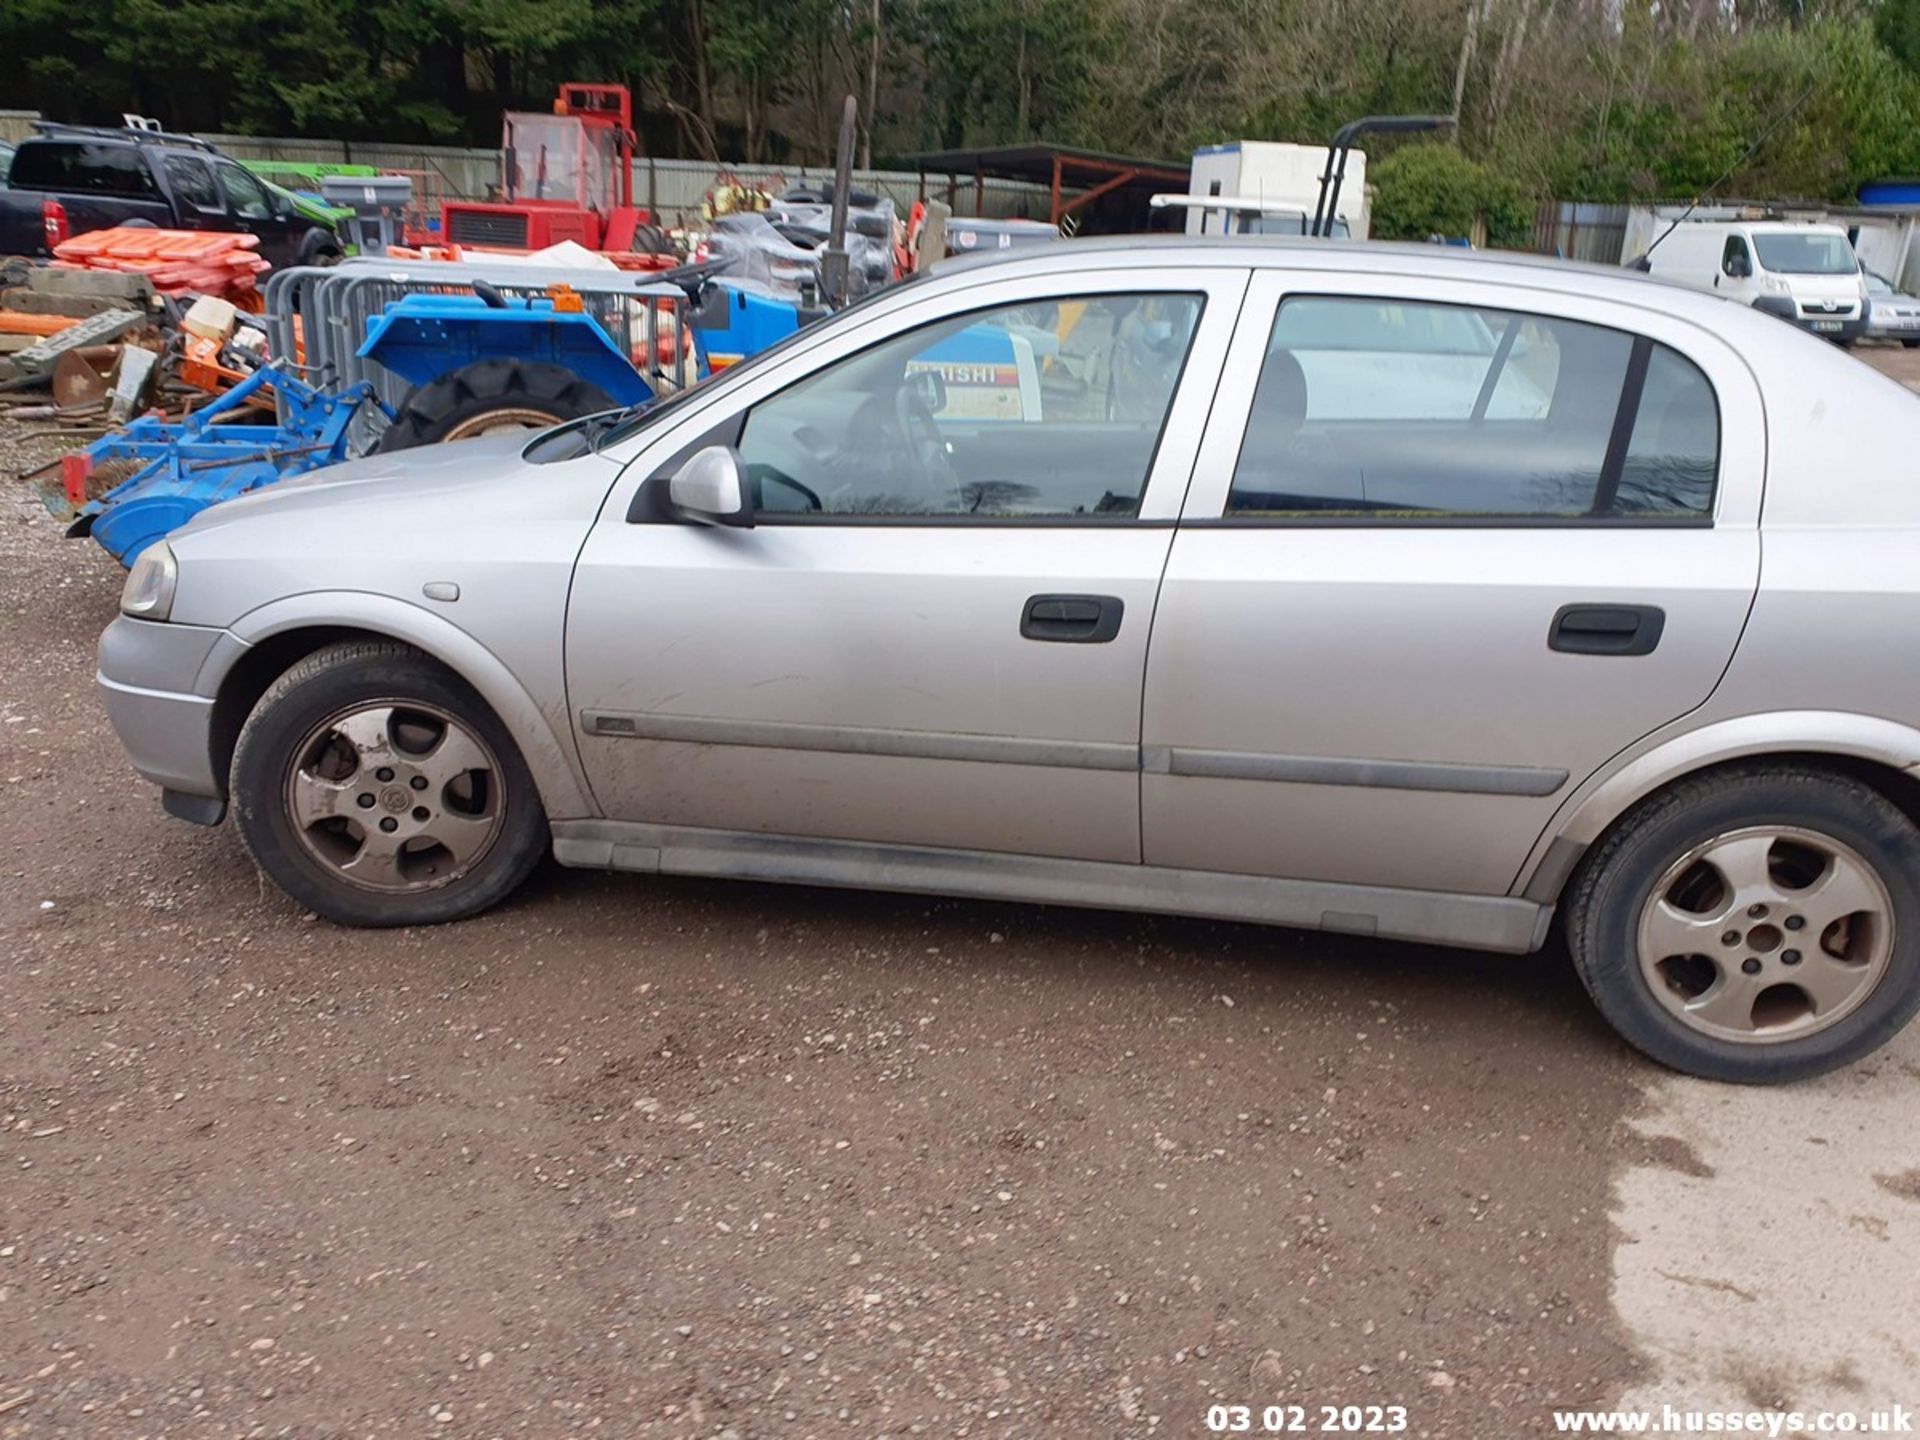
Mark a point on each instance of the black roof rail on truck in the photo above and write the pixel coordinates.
(133, 134)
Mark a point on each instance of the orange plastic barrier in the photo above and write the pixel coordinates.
(206, 262)
(19, 322)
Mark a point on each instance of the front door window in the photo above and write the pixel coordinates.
(246, 195)
(1037, 410)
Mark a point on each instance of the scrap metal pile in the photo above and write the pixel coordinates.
(184, 406)
(193, 382)
(127, 343)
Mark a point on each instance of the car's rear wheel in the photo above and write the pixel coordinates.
(1760, 924)
(376, 788)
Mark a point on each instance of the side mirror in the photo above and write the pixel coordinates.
(710, 489)
(1739, 267)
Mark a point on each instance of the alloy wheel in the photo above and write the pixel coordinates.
(1765, 934)
(394, 796)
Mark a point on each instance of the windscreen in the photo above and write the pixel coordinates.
(550, 159)
(1810, 254)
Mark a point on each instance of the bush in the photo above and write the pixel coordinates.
(1425, 190)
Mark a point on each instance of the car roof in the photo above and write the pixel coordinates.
(1510, 268)
(61, 133)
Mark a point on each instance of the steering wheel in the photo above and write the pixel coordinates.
(692, 278)
(920, 433)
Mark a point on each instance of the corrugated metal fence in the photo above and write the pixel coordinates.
(1575, 230)
(671, 188)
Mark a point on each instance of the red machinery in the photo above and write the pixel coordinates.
(564, 176)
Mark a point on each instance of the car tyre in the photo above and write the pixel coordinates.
(369, 755)
(1911, 344)
(1767, 982)
(319, 247)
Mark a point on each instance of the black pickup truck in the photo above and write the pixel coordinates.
(69, 179)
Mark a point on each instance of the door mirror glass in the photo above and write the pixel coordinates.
(709, 489)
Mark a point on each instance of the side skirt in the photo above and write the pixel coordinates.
(1480, 922)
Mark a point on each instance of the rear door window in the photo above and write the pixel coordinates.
(83, 167)
(1384, 410)
(192, 181)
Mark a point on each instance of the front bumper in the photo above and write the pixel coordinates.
(1839, 327)
(158, 681)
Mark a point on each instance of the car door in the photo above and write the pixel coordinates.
(1448, 548)
(252, 211)
(1736, 279)
(934, 634)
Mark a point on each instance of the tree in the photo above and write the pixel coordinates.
(1582, 99)
(1425, 190)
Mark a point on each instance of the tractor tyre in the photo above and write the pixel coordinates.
(491, 397)
(652, 240)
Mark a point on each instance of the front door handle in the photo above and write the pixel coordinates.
(1606, 629)
(1072, 619)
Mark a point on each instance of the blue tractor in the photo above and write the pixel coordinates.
(476, 364)
(480, 364)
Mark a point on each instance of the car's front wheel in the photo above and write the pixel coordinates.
(1760, 924)
(376, 788)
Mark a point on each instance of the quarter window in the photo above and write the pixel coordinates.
(1384, 410)
(1038, 410)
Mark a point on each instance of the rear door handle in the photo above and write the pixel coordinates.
(1072, 619)
(1606, 629)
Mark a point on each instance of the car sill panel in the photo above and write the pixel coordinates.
(1483, 922)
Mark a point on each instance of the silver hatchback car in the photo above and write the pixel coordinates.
(1389, 591)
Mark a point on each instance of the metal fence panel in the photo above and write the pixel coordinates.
(672, 189)
(327, 309)
(1578, 230)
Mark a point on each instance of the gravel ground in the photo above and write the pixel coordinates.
(658, 1157)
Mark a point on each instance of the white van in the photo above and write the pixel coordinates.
(1804, 273)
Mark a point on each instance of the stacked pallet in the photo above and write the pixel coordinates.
(177, 262)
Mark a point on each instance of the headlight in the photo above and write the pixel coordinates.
(1773, 285)
(149, 590)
